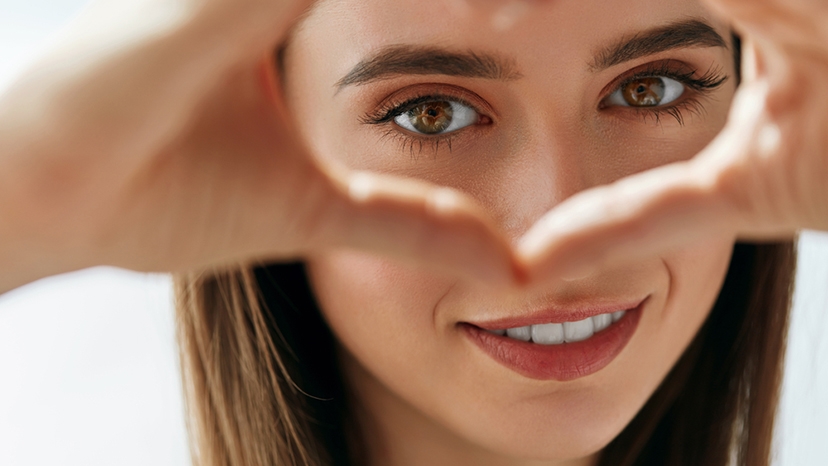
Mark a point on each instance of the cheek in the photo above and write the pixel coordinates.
(382, 313)
(695, 274)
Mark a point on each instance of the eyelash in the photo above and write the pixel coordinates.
(707, 83)
(393, 108)
(703, 85)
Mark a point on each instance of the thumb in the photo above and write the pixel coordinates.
(139, 69)
(797, 24)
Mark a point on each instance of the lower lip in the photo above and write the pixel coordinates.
(566, 361)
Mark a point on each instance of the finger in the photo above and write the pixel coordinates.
(723, 190)
(262, 22)
(797, 23)
(135, 72)
(634, 218)
(415, 222)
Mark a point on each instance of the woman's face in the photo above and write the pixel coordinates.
(520, 108)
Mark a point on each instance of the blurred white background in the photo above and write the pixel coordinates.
(88, 367)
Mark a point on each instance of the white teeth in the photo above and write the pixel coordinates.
(520, 333)
(555, 334)
(548, 334)
(578, 331)
(601, 321)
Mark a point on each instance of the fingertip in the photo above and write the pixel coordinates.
(443, 201)
(361, 186)
(769, 140)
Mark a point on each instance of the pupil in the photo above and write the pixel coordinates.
(431, 117)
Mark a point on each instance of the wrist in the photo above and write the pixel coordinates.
(31, 245)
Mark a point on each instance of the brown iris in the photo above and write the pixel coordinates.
(644, 92)
(431, 117)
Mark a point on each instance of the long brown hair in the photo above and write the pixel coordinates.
(263, 387)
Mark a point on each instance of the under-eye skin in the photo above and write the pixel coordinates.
(663, 88)
(427, 119)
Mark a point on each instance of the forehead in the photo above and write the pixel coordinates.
(341, 33)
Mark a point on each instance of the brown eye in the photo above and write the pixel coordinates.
(647, 92)
(438, 116)
(431, 117)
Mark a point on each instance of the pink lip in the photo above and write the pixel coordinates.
(561, 362)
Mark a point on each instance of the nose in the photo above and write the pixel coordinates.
(548, 167)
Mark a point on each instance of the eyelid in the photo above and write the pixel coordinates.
(674, 69)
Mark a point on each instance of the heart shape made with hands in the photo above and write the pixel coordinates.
(187, 177)
(764, 177)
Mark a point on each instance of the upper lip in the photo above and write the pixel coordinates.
(553, 313)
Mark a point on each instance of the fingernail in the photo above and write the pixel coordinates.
(444, 201)
(768, 140)
(361, 186)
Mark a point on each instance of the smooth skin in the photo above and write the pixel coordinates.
(150, 138)
(153, 137)
(765, 176)
(426, 393)
(144, 139)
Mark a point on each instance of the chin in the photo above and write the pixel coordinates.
(566, 425)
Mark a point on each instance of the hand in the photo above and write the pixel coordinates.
(153, 138)
(764, 177)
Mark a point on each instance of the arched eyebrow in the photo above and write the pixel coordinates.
(396, 60)
(681, 34)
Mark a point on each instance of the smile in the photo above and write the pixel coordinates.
(563, 350)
